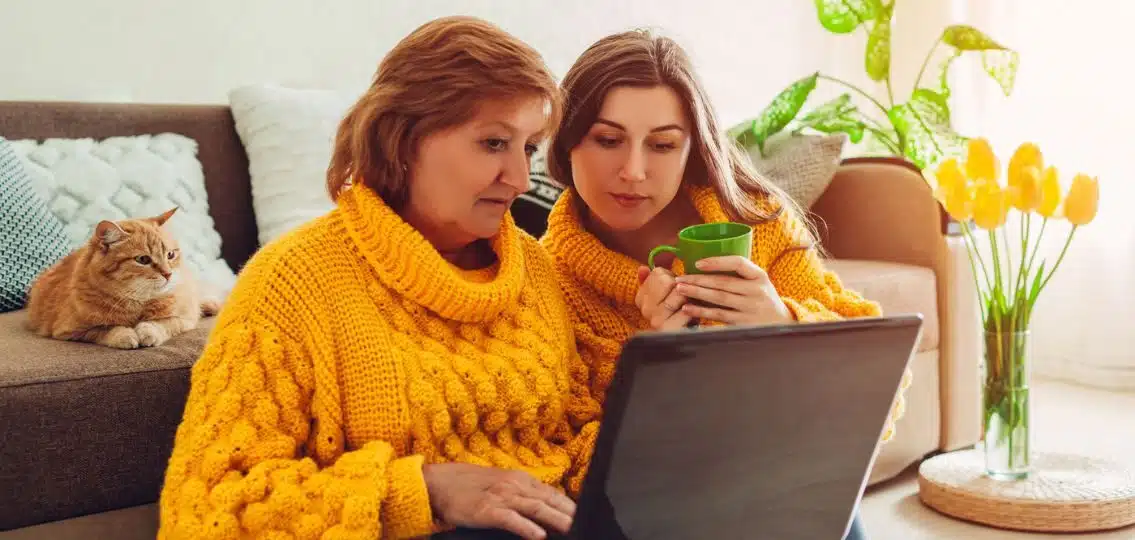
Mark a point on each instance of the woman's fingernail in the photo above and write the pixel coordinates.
(702, 263)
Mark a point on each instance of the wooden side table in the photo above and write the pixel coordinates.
(1065, 493)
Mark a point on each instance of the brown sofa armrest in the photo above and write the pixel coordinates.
(881, 209)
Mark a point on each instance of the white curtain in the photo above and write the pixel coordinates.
(1075, 97)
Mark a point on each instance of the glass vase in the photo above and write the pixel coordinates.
(1007, 438)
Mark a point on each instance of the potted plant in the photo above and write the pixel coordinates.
(918, 128)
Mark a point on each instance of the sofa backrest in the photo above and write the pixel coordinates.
(219, 150)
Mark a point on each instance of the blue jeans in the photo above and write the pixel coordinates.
(856, 531)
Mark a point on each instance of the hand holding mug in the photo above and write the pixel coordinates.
(737, 291)
(722, 283)
(659, 302)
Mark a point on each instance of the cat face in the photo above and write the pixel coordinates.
(137, 258)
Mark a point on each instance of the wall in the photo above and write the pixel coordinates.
(195, 51)
(1073, 99)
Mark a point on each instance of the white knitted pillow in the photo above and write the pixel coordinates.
(802, 165)
(86, 181)
(288, 135)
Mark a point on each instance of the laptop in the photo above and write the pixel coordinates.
(757, 432)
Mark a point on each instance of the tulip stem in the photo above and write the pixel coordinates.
(1036, 248)
(1008, 257)
(973, 251)
(1023, 271)
(970, 251)
(997, 296)
(997, 276)
(1058, 259)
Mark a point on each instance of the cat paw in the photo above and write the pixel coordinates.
(151, 334)
(121, 337)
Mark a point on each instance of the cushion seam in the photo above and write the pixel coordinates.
(92, 377)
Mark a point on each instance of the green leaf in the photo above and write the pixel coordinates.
(878, 60)
(739, 131)
(923, 124)
(944, 72)
(844, 16)
(998, 61)
(836, 116)
(1035, 289)
(777, 115)
(1002, 67)
(880, 142)
(968, 38)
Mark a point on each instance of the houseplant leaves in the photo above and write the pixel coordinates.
(999, 62)
(878, 57)
(923, 124)
(776, 115)
(918, 129)
(882, 142)
(844, 16)
(839, 115)
(944, 72)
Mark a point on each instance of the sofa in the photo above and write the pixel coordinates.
(88, 429)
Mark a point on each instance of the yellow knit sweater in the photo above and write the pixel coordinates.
(600, 286)
(349, 354)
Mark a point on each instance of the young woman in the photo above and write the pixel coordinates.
(643, 157)
(401, 363)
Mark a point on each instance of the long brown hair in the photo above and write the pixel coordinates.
(638, 58)
(431, 80)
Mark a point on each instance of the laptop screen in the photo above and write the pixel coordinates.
(744, 433)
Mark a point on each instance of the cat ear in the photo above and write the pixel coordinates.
(108, 233)
(162, 219)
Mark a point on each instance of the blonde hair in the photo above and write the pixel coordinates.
(432, 80)
(638, 58)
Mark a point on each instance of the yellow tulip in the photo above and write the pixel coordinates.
(949, 177)
(1083, 199)
(1024, 194)
(1049, 193)
(990, 206)
(1027, 155)
(958, 202)
(981, 163)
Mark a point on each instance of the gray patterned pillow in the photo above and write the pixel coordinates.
(31, 237)
(802, 165)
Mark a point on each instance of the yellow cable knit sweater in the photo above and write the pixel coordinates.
(600, 286)
(349, 354)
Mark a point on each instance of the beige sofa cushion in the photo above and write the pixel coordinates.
(898, 288)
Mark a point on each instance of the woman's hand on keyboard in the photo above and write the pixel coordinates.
(472, 496)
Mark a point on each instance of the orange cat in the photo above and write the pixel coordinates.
(124, 288)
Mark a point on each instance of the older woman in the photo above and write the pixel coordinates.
(401, 363)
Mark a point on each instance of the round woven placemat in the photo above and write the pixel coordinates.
(1065, 493)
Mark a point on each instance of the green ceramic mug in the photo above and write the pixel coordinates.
(699, 242)
(707, 240)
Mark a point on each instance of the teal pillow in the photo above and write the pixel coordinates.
(31, 237)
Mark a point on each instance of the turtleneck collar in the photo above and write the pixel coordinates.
(407, 263)
(611, 273)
